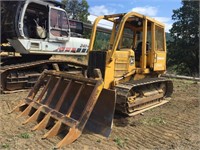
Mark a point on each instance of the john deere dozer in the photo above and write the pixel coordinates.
(125, 77)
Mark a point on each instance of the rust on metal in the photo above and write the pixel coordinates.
(73, 102)
(23, 76)
(150, 93)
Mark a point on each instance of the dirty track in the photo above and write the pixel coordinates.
(174, 125)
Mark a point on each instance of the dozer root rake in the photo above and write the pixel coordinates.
(63, 102)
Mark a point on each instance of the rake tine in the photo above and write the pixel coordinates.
(43, 123)
(44, 90)
(58, 108)
(27, 110)
(17, 108)
(74, 101)
(60, 102)
(50, 98)
(54, 130)
(34, 116)
(36, 87)
(72, 135)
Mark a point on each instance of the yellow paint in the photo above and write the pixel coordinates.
(120, 62)
(144, 41)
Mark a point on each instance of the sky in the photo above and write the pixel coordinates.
(161, 10)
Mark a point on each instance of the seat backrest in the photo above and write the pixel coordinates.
(138, 51)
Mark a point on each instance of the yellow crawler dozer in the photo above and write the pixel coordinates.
(124, 77)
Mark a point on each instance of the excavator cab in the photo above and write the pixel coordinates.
(115, 80)
(31, 15)
(40, 27)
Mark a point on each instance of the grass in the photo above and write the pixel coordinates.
(153, 121)
(24, 135)
(98, 141)
(121, 143)
(5, 146)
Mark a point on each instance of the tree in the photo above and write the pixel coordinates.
(183, 51)
(77, 9)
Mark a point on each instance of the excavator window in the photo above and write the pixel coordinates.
(58, 19)
(159, 38)
(59, 23)
(36, 15)
(76, 28)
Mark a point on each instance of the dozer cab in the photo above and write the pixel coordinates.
(124, 77)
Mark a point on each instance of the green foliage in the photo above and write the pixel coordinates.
(77, 9)
(98, 141)
(101, 41)
(24, 135)
(153, 121)
(5, 146)
(86, 33)
(120, 142)
(168, 37)
(183, 51)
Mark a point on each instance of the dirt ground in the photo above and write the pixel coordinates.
(175, 125)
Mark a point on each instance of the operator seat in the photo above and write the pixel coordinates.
(138, 51)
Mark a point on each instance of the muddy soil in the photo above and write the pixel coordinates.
(175, 125)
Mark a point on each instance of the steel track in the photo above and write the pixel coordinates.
(24, 75)
(145, 103)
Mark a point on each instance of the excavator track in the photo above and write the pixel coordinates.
(23, 76)
(135, 97)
